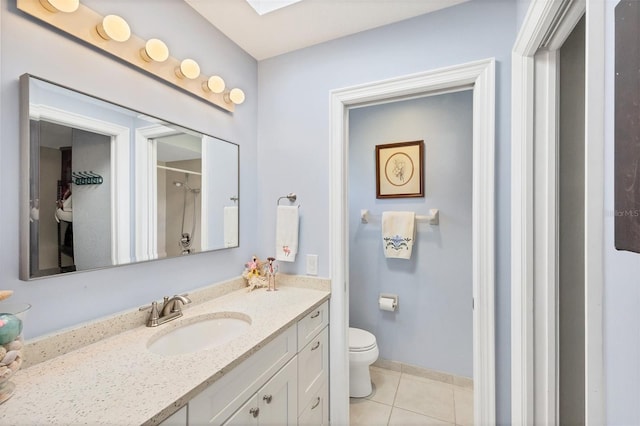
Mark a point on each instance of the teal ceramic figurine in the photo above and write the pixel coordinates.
(10, 328)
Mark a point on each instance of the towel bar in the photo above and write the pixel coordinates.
(432, 219)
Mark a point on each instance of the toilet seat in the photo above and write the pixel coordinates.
(361, 340)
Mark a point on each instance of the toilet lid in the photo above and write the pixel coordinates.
(360, 340)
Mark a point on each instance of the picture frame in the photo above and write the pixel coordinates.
(399, 170)
(626, 129)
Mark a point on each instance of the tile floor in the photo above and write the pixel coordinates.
(401, 399)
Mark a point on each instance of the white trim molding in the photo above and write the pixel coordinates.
(479, 76)
(146, 184)
(594, 216)
(534, 299)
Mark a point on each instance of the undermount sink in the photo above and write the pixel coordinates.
(200, 332)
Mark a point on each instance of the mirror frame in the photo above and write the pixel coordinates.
(26, 160)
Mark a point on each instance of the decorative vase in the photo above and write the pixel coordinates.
(12, 316)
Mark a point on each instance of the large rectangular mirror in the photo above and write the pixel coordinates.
(111, 186)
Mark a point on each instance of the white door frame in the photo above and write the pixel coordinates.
(120, 174)
(534, 299)
(480, 76)
(146, 184)
(146, 202)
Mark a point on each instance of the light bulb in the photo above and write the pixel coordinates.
(154, 50)
(214, 84)
(235, 95)
(66, 6)
(188, 69)
(114, 28)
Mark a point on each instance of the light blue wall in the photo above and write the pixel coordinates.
(293, 126)
(622, 278)
(29, 46)
(433, 326)
(522, 9)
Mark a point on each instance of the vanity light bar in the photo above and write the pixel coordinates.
(112, 34)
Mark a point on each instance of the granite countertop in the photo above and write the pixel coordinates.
(118, 381)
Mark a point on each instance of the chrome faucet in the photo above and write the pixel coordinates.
(171, 309)
(171, 306)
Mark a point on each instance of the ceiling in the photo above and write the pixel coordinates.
(306, 22)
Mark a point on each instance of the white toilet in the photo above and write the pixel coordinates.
(363, 351)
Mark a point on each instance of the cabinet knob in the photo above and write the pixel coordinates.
(267, 398)
(316, 346)
(315, 315)
(255, 412)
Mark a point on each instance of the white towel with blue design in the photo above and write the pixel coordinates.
(398, 234)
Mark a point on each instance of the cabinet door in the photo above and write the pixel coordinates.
(313, 368)
(247, 415)
(278, 399)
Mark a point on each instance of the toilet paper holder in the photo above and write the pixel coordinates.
(393, 297)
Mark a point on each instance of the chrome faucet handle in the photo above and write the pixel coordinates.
(154, 316)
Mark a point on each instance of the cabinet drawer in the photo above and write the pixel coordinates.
(313, 368)
(317, 410)
(310, 326)
(221, 399)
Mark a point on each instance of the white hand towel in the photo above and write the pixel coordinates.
(231, 226)
(398, 234)
(287, 221)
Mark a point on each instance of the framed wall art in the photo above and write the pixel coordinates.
(627, 127)
(399, 170)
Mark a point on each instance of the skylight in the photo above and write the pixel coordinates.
(263, 7)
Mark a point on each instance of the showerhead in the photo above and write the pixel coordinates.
(179, 184)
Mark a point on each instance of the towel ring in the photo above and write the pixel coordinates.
(291, 197)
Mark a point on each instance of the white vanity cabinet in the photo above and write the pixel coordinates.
(283, 383)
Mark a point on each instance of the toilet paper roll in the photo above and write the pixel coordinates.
(387, 304)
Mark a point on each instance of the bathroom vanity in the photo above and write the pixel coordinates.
(275, 372)
(283, 381)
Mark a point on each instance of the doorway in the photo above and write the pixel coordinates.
(537, 320)
(96, 152)
(480, 77)
(424, 369)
